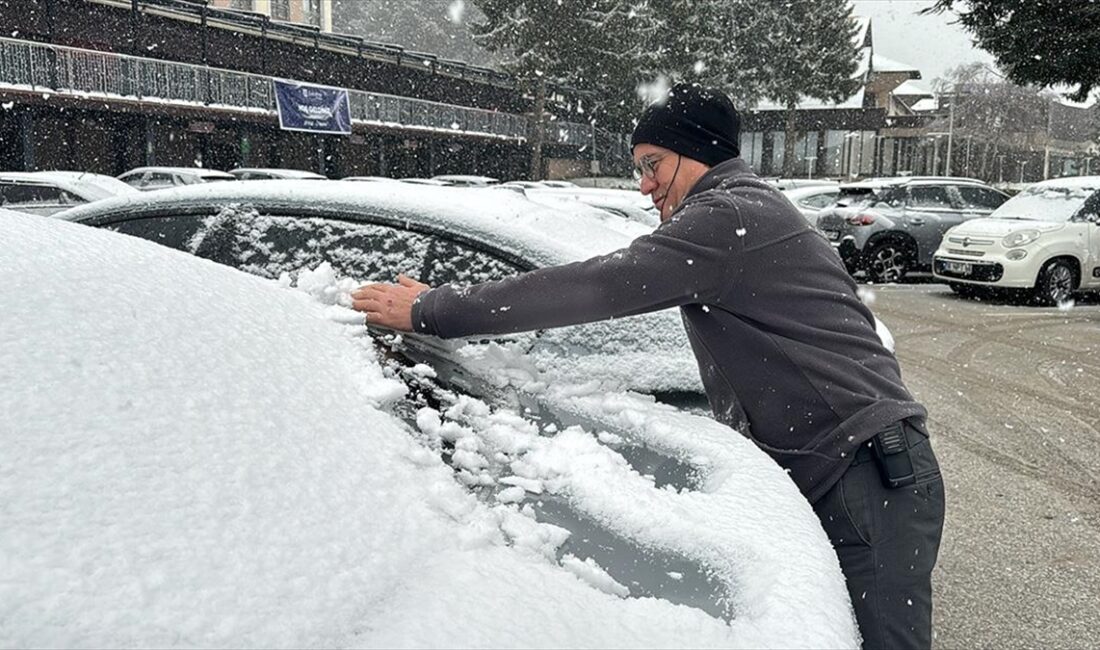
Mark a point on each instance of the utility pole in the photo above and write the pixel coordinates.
(950, 128)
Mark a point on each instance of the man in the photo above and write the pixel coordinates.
(781, 339)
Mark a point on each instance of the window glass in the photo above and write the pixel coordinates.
(280, 9)
(819, 200)
(268, 246)
(158, 179)
(980, 198)
(924, 197)
(461, 264)
(19, 194)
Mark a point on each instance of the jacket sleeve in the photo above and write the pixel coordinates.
(684, 261)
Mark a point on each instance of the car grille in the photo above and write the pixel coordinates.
(979, 271)
(970, 241)
(965, 253)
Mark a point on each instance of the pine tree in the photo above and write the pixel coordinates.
(809, 52)
(1041, 42)
(592, 46)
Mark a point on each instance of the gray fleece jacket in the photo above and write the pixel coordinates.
(772, 316)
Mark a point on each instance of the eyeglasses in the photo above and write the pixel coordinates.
(646, 167)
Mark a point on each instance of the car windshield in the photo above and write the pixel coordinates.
(1055, 204)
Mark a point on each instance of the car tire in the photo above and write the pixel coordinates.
(888, 260)
(1056, 283)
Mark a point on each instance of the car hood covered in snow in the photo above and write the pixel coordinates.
(195, 456)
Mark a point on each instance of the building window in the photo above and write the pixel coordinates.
(245, 5)
(752, 148)
(311, 10)
(280, 9)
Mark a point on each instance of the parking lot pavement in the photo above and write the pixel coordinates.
(1012, 393)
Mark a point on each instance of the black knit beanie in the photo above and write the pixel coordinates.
(693, 121)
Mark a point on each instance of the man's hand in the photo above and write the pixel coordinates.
(389, 305)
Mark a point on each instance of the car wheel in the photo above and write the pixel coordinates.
(888, 261)
(1057, 282)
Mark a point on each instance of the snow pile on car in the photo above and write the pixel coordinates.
(195, 456)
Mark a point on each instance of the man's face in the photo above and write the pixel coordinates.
(666, 176)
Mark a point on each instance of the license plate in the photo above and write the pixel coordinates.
(958, 268)
(833, 235)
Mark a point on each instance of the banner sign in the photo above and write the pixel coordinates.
(317, 109)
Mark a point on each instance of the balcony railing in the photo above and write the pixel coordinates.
(72, 71)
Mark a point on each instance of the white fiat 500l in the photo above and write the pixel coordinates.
(1044, 241)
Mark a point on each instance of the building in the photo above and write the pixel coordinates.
(317, 13)
(108, 85)
(895, 125)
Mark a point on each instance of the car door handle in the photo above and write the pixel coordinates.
(917, 221)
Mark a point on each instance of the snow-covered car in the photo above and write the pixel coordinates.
(812, 199)
(47, 193)
(625, 203)
(158, 178)
(198, 456)
(889, 227)
(370, 179)
(1044, 243)
(466, 180)
(794, 183)
(372, 231)
(268, 173)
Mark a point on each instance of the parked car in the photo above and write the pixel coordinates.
(264, 173)
(244, 464)
(558, 184)
(427, 181)
(50, 192)
(464, 180)
(793, 183)
(628, 204)
(370, 179)
(1043, 243)
(812, 199)
(158, 178)
(889, 227)
(438, 234)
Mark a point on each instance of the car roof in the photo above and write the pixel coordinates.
(880, 183)
(286, 173)
(193, 171)
(1070, 182)
(86, 185)
(466, 178)
(497, 219)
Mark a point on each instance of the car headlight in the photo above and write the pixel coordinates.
(1020, 238)
(1016, 254)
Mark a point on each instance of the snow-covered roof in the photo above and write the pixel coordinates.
(880, 63)
(925, 105)
(279, 173)
(494, 217)
(86, 185)
(221, 468)
(911, 88)
(190, 171)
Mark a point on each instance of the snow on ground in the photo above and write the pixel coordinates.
(194, 456)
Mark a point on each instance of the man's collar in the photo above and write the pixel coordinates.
(715, 175)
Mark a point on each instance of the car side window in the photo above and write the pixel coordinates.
(929, 197)
(268, 246)
(980, 198)
(819, 201)
(893, 198)
(19, 194)
(157, 179)
(462, 264)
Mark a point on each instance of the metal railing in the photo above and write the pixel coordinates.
(66, 70)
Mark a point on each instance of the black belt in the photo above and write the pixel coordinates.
(890, 447)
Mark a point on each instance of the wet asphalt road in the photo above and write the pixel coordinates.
(1013, 394)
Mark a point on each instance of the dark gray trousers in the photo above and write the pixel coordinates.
(887, 541)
